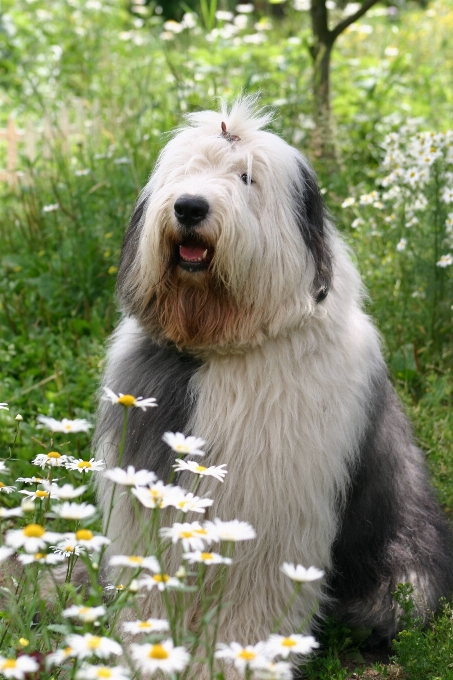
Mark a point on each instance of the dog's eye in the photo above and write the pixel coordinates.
(246, 180)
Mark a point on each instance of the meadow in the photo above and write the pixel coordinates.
(136, 73)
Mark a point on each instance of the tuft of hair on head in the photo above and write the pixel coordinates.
(243, 116)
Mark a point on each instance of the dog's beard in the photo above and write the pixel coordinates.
(195, 311)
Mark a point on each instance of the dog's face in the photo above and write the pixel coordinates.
(227, 243)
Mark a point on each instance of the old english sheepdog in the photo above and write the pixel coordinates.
(243, 318)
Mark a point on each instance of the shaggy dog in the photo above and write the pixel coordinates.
(243, 318)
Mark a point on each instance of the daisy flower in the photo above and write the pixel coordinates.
(158, 495)
(88, 645)
(87, 672)
(74, 511)
(32, 538)
(234, 530)
(91, 465)
(65, 425)
(66, 548)
(192, 535)
(182, 444)
(206, 558)
(41, 558)
(10, 512)
(128, 400)
(18, 668)
(243, 657)
(159, 580)
(3, 467)
(274, 670)
(4, 406)
(5, 553)
(300, 573)
(135, 562)
(131, 477)
(445, 261)
(162, 656)
(86, 539)
(60, 655)
(52, 459)
(214, 471)
(348, 202)
(279, 645)
(31, 480)
(191, 503)
(6, 489)
(65, 492)
(38, 494)
(148, 626)
(85, 614)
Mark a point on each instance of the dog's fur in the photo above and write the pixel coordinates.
(268, 356)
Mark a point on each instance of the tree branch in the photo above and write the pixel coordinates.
(340, 27)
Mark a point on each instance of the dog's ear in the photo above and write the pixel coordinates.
(130, 246)
(311, 219)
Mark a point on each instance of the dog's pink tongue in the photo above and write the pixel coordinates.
(191, 253)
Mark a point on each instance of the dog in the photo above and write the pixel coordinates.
(242, 316)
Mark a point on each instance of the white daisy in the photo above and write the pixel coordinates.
(161, 656)
(32, 538)
(86, 539)
(135, 562)
(300, 573)
(348, 202)
(234, 530)
(445, 261)
(273, 670)
(3, 467)
(182, 444)
(158, 495)
(18, 668)
(131, 477)
(80, 465)
(159, 581)
(401, 245)
(85, 614)
(52, 459)
(6, 489)
(214, 471)
(66, 548)
(280, 645)
(38, 494)
(128, 400)
(74, 511)
(65, 425)
(65, 492)
(206, 557)
(41, 558)
(191, 503)
(31, 480)
(87, 672)
(92, 645)
(4, 406)
(243, 657)
(148, 626)
(192, 535)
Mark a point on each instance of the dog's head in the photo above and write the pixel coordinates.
(227, 244)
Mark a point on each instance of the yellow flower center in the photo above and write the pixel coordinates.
(1, 485)
(186, 534)
(39, 556)
(120, 586)
(33, 531)
(200, 532)
(206, 556)
(158, 652)
(8, 663)
(288, 642)
(145, 625)
(84, 535)
(181, 448)
(68, 427)
(84, 610)
(246, 655)
(161, 578)
(84, 464)
(200, 468)
(104, 672)
(42, 494)
(126, 400)
(94, 642)
(68, 548)
(67, 650)
(135, 560)
(53, 454)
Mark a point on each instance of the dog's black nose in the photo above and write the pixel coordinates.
(190, 210)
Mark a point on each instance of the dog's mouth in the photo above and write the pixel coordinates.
(194, 255)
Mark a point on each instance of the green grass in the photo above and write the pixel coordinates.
(57, 269)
